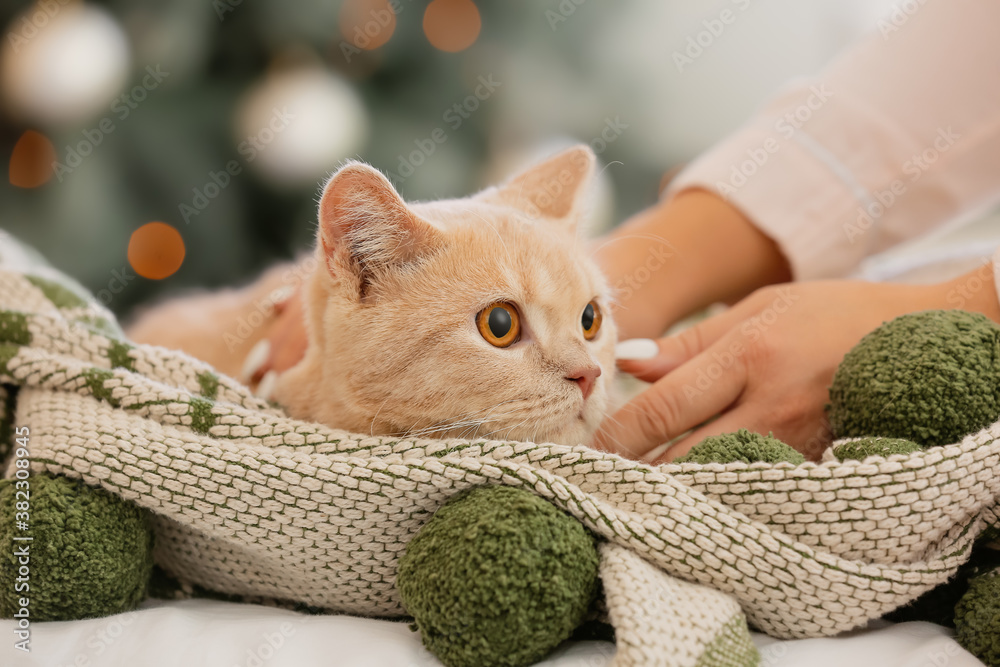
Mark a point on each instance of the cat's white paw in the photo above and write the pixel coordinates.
(255, 360)
(266, 386)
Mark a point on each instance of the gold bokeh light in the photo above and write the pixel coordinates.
(452, 25)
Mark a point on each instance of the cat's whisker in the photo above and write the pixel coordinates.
(466, 419)
(472, 432)
(448, 426)
(443, 425)
(372, 429)
(617, 442)
(512, 427)
(472, 428)
(470, 413)
(506, 429)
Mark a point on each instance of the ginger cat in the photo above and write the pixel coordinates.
(479, 317)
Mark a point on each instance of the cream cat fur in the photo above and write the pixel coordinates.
(392, 309)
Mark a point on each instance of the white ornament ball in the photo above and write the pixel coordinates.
(297, 126)
(62, 64)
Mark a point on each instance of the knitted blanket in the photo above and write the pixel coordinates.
(249, 502)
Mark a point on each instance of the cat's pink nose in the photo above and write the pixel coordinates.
(585, 377)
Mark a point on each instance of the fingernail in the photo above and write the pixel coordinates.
(266, 385)
(282, 294)
(257, 358)
(637, 349)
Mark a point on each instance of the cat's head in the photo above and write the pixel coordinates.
(480, 317)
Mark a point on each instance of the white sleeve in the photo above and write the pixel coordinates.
(900, 134)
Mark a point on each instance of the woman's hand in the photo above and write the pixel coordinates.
(765, 364)
(283, 345)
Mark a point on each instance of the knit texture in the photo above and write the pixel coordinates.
(862, 448)
(938, 604)
(743, 445)
(929, 377)
(660, 619)
(245, 501)
(498, 576)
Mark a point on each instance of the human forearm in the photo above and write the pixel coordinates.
(867, 154)
(975, 291)
(682, 255)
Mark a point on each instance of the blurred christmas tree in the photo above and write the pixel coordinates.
(223, 118)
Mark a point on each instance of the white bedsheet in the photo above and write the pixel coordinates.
(196, 633)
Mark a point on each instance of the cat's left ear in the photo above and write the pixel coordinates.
(365, 228)
(555, 189)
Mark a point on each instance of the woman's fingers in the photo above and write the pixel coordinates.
(694, 392)
(798, 420)
(283, 345)
(649, 360)
(741, 416)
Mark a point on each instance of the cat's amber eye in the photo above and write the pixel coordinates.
(499, 324)
(591, 320)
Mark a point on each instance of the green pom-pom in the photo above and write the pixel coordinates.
(977, 618)
(859, 450)
(498, 576)
(743, 445)
(930, 377)
(90, 553)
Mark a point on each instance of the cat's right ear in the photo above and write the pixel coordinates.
(555, 189)
(365, 227)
